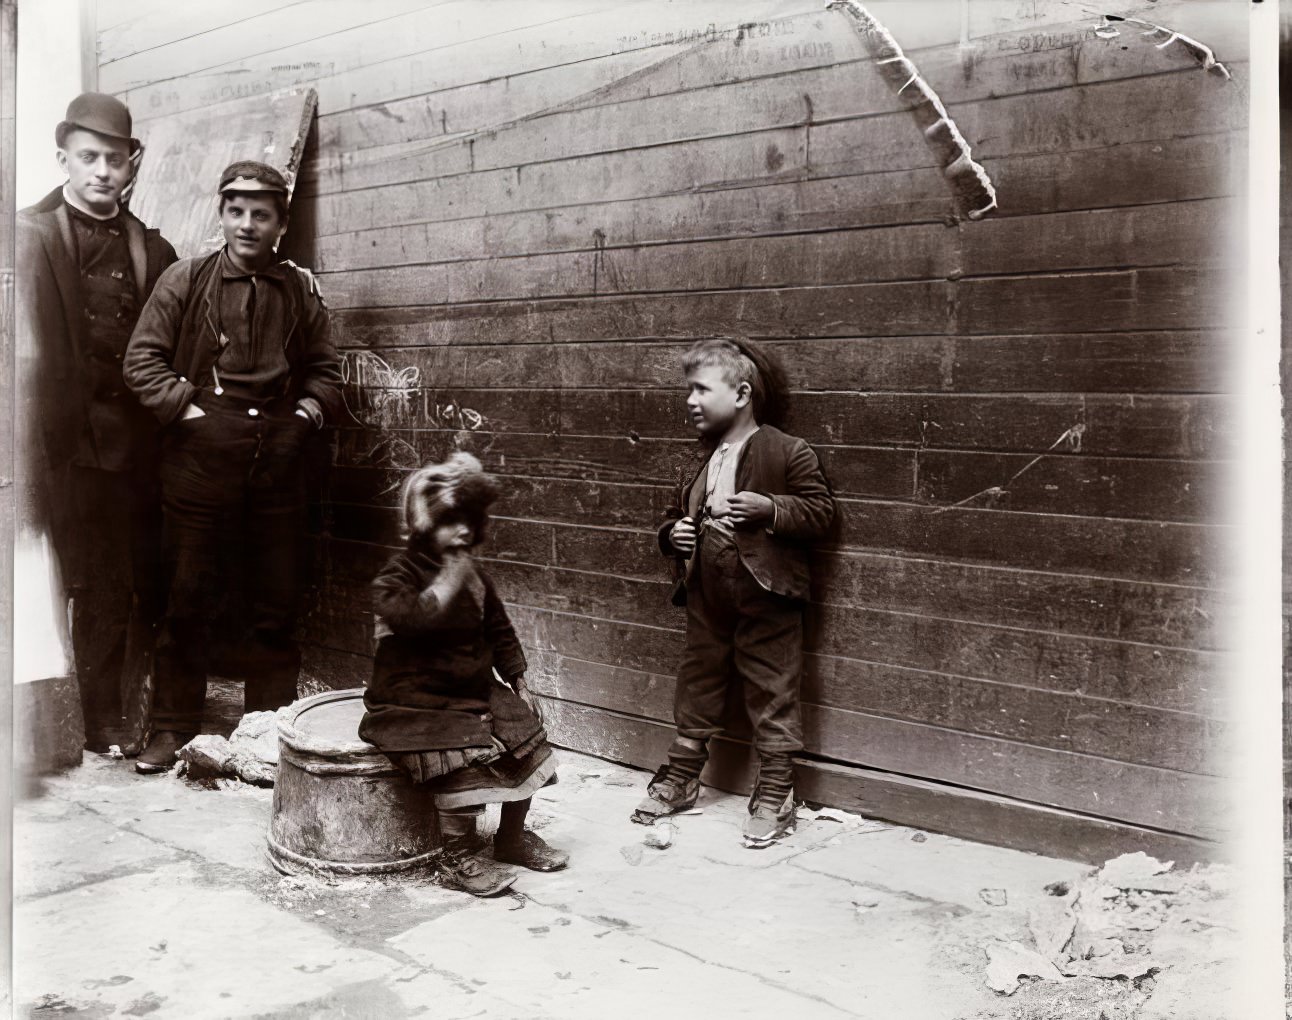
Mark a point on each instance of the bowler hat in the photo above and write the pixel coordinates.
(248, 175)
(97, 112)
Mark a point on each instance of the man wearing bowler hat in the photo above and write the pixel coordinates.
(85, 268)
(233, 355)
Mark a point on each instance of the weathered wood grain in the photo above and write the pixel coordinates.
(1172, 426)
(1142, 796)
(1133, 734)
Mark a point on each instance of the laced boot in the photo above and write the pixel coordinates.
(771, 806)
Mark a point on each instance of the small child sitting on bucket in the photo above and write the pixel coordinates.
(434, 706)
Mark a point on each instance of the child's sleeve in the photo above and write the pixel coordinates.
(508, 656)
(806, 511)
(399, 597)
(672, 515)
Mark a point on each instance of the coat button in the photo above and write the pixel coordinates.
(252, 411)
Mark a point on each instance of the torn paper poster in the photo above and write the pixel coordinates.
(969, 181)
(1201, 52)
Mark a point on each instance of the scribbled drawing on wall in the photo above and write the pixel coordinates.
(375, 393)
(382, 396)
(970, 182)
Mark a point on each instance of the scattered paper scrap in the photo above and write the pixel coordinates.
(1009, 962)
(660, 836)
(1139, 871)
(993, 897)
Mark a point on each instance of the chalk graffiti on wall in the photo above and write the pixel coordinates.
(382, 396)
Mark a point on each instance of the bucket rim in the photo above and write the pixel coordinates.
(298, 740)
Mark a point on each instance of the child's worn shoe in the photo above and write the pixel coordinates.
(475, 875)
(669, 792)
(530, 851)
(770, 820)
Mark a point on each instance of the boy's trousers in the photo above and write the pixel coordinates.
(738, 632)
(234, 500)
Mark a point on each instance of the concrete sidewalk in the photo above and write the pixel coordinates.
(153, 897)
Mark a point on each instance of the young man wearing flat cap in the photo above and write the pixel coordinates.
(85, 268)
(232, 354)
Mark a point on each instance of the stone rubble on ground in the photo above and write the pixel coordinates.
(1105, 927)
(249, 754)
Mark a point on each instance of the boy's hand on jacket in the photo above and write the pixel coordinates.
(524, 693)
(750, 508)
(682, 537)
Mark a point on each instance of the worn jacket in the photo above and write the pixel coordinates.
(432, 680)
(50, 320)
(176, 341)
(785, 469)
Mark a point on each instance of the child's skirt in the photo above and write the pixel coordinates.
(471, 776)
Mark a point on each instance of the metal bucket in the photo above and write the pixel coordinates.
(340, 806)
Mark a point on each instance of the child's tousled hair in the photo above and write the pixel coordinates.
(458, 488)
(741, 360)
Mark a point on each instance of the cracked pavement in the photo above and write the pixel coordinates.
(152, 897)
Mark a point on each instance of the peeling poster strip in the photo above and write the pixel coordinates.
(1202, 53)
(968, 179)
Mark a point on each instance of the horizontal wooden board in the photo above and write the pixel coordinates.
(430, 50)
(1185, 426)
(149, 26)
(409, 267)
(273, 31)
(1172, 680)
(577, 195)
(1187, 361)
(835, 257)
(992, 530)
(849, 128)
(1160, 798)
(1143, 735)
(615, 574)
(1111, 301)
(900, 799)
(1198, 684)
(1114, 301)
(1148, 490)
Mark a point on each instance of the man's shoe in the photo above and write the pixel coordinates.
(530, 851)
(669, 792)
(474, 875)
(159, 755)
(769, 821)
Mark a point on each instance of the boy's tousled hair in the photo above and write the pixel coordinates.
(742, 361)
(456, 489)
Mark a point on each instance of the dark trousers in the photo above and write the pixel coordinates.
(105, 528)
(233, 496)
(737, 631)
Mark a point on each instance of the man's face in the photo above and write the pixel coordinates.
(252, 226)
(711, 401)
(97, 168)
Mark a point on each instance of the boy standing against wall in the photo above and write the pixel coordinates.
(743, 529)
(233, 355)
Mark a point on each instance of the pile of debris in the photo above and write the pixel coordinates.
(250, 754)
(1107, 926)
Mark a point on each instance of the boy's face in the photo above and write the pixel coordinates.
(712, 402)
(97, 168)
(252, 226)
(451, 534)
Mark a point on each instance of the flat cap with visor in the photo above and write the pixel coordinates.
(247, 175)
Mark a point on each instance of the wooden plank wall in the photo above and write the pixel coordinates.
(523, 212)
